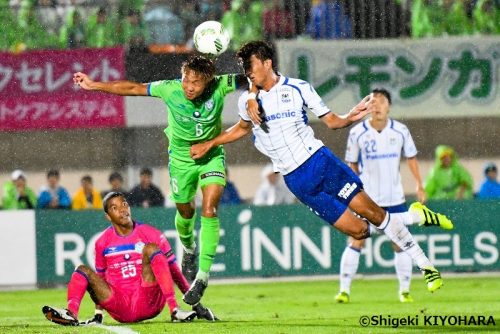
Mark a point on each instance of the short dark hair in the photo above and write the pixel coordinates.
(108, 197)
(53, 172)
(490, 166)
(115, 176)
(87, 178)
(201, 65)
(260, 49)
(384, 92)
(146, 171)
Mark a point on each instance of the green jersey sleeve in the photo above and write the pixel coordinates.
(162, 88)
(227, 83)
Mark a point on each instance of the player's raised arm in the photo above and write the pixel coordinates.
(334, 121)
(237, 131)
(120, 87)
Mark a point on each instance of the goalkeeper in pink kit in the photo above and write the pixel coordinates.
(135, 274)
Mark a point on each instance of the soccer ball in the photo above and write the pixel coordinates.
(211, 38)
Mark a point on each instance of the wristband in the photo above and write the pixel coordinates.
(251, 96)
(98, 311)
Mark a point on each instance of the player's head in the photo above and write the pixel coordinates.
(116, 208)
(257, 59)
(197, 73)
(379, 103)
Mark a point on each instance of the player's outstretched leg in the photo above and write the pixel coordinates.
(431, 218)
(203, 312)
(179, 315)
(60, 316)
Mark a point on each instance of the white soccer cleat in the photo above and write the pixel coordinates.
(182, 316)
(60, 316)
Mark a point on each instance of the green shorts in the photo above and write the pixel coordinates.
(186, 176)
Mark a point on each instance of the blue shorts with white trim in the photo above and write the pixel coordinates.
(325, 184)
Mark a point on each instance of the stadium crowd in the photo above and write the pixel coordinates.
(17, 194)
(137, 24)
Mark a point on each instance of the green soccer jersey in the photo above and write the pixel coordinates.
(191, 122)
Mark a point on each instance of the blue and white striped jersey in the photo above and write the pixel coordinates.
(284, 135)
(378, 155)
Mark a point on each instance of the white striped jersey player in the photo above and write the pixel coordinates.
(285, 109)
(378, 155)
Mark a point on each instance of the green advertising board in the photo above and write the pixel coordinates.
(278, 241)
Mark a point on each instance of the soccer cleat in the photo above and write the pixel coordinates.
(194, 294)
(182, 316)
(203, 312)
(405, 297)
(433, 278)
(431, 218)
(189, 265)
(342, 297)
(60, 316)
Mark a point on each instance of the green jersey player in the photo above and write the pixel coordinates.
(195, 106)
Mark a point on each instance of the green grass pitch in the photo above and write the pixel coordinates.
(284, 307)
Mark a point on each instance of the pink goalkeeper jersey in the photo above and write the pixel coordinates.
(118, 259)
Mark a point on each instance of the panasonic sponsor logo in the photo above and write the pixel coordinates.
(284, 114)
(381, 156)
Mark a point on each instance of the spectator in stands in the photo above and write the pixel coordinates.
(48, 17)
(9, 37)
(16, 194)
(301, 11)
(329, 21)
(190, 16)
(87, 197)
(72, 34)
(243, 22)
(278, 21)
(100, 31)
(272, 190)
(127, 6)
(33, 34)
(490, 188)
(211, 10)
(378, 18)
(53, 196)
(230, 194)
(146, 194)
(448, 179)
(427, 19)
(486, 17)
(116, 181)
(164, 26)
(133, 31)
(456, 21)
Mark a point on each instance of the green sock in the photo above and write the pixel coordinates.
(209, 239)
(185, 229)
